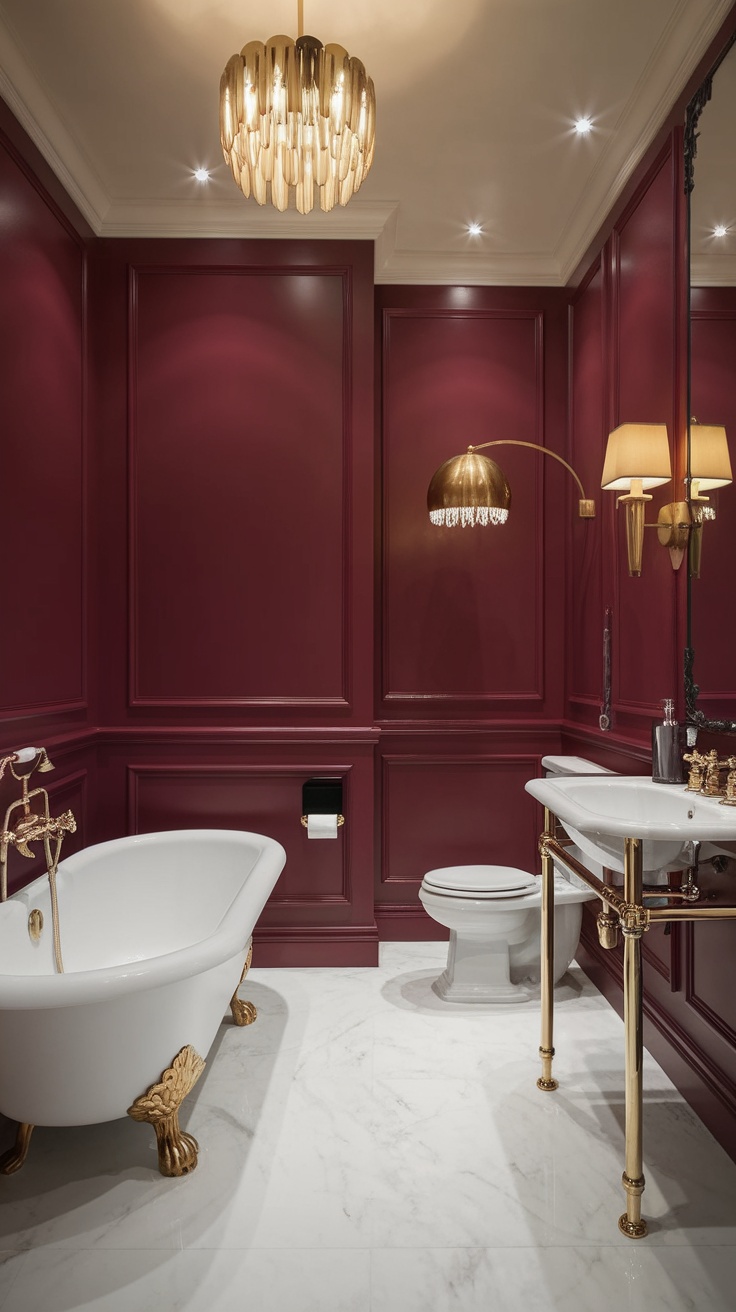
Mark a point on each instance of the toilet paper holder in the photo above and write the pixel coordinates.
(322, 796)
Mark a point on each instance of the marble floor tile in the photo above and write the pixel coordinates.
(292, 1280)
(365, 1145)
(539, 1280)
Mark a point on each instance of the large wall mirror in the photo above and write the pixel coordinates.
(710, 168)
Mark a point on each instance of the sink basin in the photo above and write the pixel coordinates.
(600, 811)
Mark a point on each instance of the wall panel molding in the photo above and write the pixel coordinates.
(472, 804)
(141, 693)
(411, 577)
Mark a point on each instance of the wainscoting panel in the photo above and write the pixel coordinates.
(455, 804)
(324, 897)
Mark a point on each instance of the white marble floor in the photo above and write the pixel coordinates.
(368, 1148)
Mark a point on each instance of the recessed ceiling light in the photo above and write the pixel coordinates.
(720, 230)
(583, 126)
(202, 175)
(474, 229)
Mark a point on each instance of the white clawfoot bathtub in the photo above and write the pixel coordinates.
(154, 935)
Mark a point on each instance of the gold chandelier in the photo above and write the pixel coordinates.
(297, 114)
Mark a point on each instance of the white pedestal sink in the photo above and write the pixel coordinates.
(634, 826)
(600, 811)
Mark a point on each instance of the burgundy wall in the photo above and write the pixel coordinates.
(628, 361)
(471, 672)
(234, 589)
(626, 364)
(713, 353)
(43, 584)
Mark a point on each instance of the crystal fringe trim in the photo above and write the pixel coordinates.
(466, 516)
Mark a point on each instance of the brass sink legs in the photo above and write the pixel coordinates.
(631, 1222)
(546, 1081)
(14, 1158)
(633, 922)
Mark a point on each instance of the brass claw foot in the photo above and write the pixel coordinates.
(177, 1151)
(14, 1158)
(243, 1013)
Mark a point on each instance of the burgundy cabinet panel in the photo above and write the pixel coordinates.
(452, 809)
(240, 488)
(463, 609)
(42, 582)
(324, 897)
(264, 799)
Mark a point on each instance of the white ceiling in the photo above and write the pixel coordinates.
(475, 104)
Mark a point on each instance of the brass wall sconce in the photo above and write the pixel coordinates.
(710, 468)
(472, 489)
(638, 458)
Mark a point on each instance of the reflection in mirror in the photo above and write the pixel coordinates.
(711, 613)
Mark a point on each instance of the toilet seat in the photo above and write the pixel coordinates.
(480, 882)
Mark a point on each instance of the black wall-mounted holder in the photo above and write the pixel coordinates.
(322, 796)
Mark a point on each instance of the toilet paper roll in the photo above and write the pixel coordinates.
(321, 826)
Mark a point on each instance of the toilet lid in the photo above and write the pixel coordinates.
(481, 880)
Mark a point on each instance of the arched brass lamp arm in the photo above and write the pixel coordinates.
(587, 507)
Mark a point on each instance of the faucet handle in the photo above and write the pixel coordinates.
(696, 772)
(729, 797)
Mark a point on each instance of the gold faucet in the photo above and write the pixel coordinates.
(31, 826)
(696, 772)
(704, 776)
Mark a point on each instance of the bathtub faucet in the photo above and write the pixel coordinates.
(31, 826)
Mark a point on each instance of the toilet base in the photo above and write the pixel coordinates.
(478, 971)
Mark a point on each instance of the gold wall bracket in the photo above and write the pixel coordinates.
(159, 1106)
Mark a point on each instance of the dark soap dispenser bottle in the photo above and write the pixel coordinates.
(667, 763)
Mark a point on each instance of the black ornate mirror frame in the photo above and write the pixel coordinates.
(692, 118)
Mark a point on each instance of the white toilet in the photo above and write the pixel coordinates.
(494, 917)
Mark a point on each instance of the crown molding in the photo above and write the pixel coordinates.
(713, 271)
(24, 95)
(682, 46)
(362, 221)
(447, 269)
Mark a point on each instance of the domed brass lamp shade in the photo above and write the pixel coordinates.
(472, 489)
(466, 490)
(295, 116)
